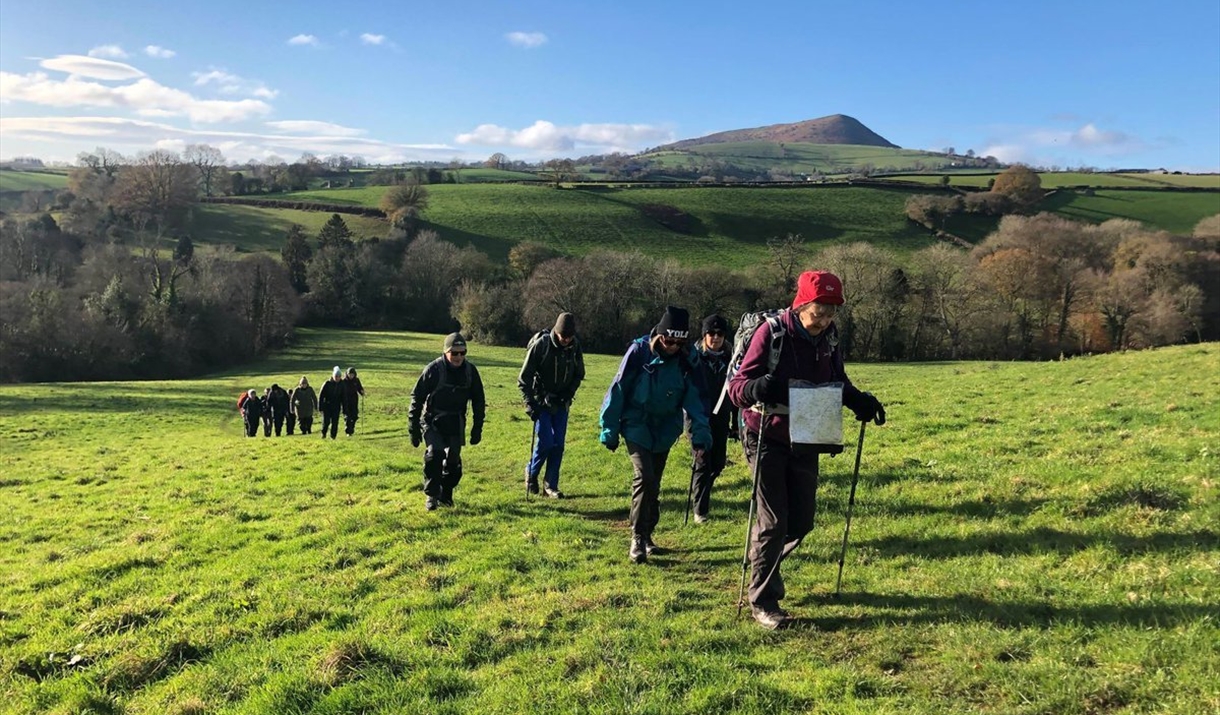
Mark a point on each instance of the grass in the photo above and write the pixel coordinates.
(799, 157)
(12, 180)
(1054, 180)
(257, 229)
(1171, 211)
(1027, 538)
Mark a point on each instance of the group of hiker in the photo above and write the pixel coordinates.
(277, 407)
(669, 381)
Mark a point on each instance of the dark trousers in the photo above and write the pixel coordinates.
(278, 419)
(251, 426)
(267, 425)
(442, 464)
(306, 424)
(707, 468)
(350, 419)
(330, 420)
(786, 503)
(552, 431)
(292, 423)
(645, 488)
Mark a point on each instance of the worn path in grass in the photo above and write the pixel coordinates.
(1028, 538)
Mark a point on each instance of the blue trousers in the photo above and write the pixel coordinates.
(551, 429)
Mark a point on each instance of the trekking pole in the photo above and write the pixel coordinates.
(690, 491)
(851, 502)
(533, 436)
(745, 555)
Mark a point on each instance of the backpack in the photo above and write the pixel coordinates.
(750, 323)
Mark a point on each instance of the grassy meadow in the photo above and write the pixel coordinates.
(1058, 179)
(1027, 538)
(13, 180)
(799, 157)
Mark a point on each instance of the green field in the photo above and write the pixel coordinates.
(730, 226)
(1054, 180)
(1177, 212)
(796, 157)
(1027, 538)
(251, 228)
(12, 180)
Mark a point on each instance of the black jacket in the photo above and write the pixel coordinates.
(440, 397)
(551, 369)
(330, 399)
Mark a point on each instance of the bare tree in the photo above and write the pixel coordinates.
(156, 190)
(207, 160)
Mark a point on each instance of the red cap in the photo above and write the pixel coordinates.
(819, 286)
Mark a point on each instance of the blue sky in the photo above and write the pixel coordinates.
(1106, 84)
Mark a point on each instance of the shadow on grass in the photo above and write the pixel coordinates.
(905, 610)
(1040, 541)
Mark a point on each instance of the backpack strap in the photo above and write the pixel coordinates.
(777, 341)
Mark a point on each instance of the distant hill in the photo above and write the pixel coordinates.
(835, 129)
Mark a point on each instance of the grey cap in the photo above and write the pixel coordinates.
(454, 340)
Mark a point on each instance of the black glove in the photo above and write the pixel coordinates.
(416, 437)
(476, 435)
(868, 408)
(766, 389)
(531, 411)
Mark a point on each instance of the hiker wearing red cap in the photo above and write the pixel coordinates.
(787, 473)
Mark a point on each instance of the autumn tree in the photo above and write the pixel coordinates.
(1021, 184)
(403, 204)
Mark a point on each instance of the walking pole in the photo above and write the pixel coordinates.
(533, 436)
(851, 502)
(690, 491)
(745, 555)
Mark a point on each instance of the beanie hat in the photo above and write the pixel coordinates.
(304, 381)
(818, 286)
(675, 324)
(251, 392)
(565, 325)
(454, 340)
(715, 322)
(336, 372)
(351, 371)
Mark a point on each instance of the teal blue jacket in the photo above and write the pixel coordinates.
(646, 400)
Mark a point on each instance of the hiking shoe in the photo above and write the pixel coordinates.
(637, 554)
(651, 548)
(769, 618)
(531, 487)
(430, 504)
(700, 518)
(553, 493)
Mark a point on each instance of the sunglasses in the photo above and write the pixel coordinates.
(719, 333)
(669, 342)
(457, 353)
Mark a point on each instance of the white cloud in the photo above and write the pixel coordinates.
(528, 40)
(144, 96)
(227, 83)
(72, 134)
(92, 67)
(544, 136)
(369, 38)
(309, 126)
(1048, 147)
(159, 52)
(112, 51)
(303, 40)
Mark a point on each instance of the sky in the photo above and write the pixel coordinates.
(1107, 84)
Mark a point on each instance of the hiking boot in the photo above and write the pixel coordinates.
(700, 518)
(531, 487)
(430, 504)
(651, 548)
(446, 498)
(771, 618)
(637, 554)
(554, 493)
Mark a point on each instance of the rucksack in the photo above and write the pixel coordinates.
(750, 323)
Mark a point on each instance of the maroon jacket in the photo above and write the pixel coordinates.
(801, 357)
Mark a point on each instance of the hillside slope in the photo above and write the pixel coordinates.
(1025, 538)
(834, 129)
